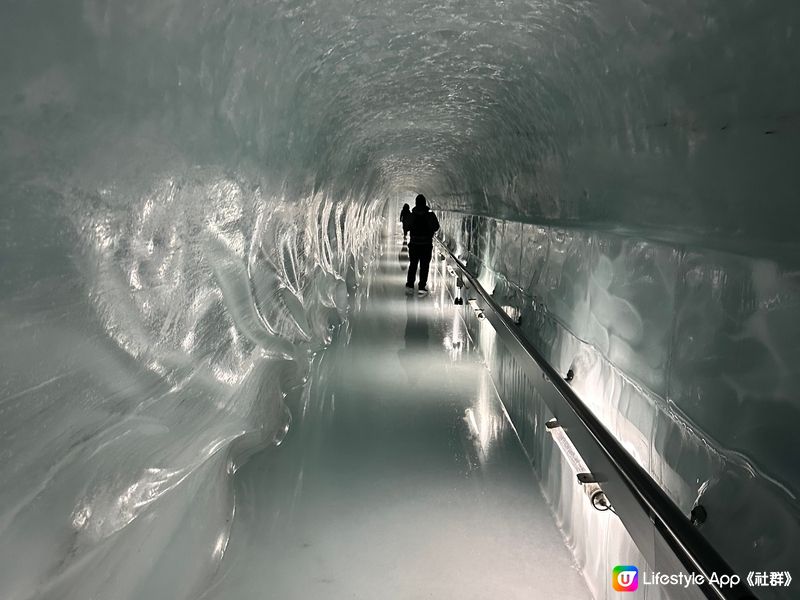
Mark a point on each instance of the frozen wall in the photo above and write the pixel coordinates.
(188, 189)
(142, 362)
(685, 354)
(163, 284)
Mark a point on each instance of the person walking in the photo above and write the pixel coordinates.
(405, 219)
(424, 225)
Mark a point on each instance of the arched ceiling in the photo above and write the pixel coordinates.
(667, 115)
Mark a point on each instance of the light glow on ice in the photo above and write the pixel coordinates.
(190, 194)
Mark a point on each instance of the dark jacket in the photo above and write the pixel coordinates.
(405, 219)
(423, 225)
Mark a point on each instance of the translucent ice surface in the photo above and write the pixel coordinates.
(682, 353)
(191, 192)
(401, 476)
(136, 379)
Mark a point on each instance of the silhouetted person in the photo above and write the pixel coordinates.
(405, 219)
(420, 247)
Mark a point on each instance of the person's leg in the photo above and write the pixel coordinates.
(425, 254)
(413, 260)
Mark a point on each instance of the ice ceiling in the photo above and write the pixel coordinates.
(678, 116)
(188, 190)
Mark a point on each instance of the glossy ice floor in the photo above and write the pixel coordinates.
(401, 476)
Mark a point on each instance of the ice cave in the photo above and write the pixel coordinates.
(213, 386)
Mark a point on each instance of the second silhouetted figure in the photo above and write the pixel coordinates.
(424, 225)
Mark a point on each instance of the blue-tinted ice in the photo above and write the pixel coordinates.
(191, 192)
(401, 475)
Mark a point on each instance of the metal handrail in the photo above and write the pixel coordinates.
(642, 506)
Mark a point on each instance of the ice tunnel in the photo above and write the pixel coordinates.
(212, 385)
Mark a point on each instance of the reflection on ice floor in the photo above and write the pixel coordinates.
(401, 476)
